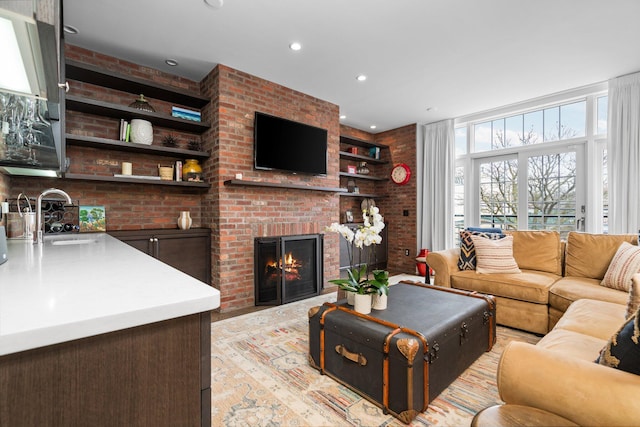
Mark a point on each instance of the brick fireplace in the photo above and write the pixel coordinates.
(238, 214)
(287, 268)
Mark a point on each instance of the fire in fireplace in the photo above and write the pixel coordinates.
(287, 268)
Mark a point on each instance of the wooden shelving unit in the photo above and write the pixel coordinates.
(94, 75)
(345, 155)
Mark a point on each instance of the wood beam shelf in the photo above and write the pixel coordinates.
(246, 183)
(112, 144)
(104, 178)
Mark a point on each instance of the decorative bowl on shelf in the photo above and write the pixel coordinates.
(142, 104)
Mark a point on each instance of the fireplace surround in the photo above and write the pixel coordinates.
(287, 268)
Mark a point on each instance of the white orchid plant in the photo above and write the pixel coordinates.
(366, 235)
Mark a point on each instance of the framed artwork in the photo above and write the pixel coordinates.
(92, 218)
(351, 169)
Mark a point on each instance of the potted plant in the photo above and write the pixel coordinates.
(358, 282)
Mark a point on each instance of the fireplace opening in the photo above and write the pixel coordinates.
(287, 268)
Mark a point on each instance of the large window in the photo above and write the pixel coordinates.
(533, 169)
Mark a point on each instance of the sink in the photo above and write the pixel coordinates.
(73, 242)
(74, 239)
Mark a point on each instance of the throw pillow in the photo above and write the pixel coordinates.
(623, 349)
(625, 263)
(633, 303)
(494, 256)
(467, 259)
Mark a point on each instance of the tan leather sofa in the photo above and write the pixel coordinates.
(557, 382)
(554, 274)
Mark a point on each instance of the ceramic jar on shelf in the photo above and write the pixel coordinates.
(192, 171)
(184, 220)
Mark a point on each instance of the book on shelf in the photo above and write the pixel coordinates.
(125, 130)
(374, 152)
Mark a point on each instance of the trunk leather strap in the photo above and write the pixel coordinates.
(357, 358)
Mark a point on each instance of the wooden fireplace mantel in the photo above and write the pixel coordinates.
(247, 183)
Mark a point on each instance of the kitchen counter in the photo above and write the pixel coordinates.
(85, 285)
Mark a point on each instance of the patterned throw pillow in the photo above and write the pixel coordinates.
(467, 259)
(494, 256)
(623, 349)
(625, 263)
(633, 303)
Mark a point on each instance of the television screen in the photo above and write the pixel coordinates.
(289, 146)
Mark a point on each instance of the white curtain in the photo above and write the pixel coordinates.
(436, 165)
(623, 152)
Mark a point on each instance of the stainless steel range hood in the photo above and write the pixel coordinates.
(30, 131)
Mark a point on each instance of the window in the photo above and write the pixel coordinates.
(530, 166)
(550, 124)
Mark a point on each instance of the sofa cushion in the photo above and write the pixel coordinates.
(589, 255)
(633, 301)
(580, 318)
(467, 260)
(572, 344)
(625, 263)
(538, 250)
(569, 289)
(494, 256)
(623, 349)
(530, 286)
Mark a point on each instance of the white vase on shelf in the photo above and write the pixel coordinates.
(141, 131)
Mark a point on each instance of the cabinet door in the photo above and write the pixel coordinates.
(189, 254)
(142, 243)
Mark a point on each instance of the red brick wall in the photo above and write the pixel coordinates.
(402, 229)
(128, 206)
(239, 214)
(235, 214)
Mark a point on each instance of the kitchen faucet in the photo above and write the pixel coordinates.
(38, 236)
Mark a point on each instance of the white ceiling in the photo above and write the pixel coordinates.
(457, 57)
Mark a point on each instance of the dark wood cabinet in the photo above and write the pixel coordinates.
(187, 250)
(151, 375)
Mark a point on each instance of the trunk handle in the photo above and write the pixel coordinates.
(357, 358)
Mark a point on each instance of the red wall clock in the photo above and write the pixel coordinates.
(400, 174)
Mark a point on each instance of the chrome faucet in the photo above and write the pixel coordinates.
(38, 236)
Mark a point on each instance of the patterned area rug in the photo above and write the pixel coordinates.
(261, 377)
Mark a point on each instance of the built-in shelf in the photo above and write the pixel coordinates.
(361, 158)
(104, 178)
(363, 195)
(108, 109)
(361, 143)
(359, 176)
(111, 144)
(247, 183)
(91, 74)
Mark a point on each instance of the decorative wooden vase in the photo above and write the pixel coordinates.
(184, 220)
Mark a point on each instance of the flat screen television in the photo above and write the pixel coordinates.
(289, 146)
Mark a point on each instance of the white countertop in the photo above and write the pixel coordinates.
(52, 293)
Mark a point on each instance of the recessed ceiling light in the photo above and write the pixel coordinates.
(216, 4)
(295, 46)
(342, 117)
(373, 126)
(171, 62)
(361, 77)
(70, 29)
